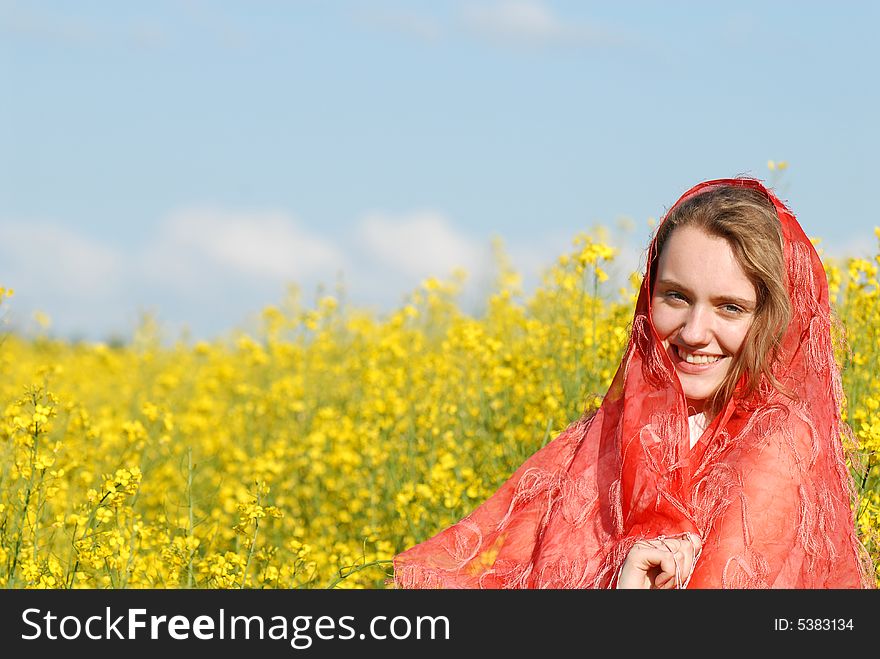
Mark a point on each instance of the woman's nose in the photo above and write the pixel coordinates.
(696, 329)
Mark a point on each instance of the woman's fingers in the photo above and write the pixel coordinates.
(661, 563)
(687, 553)
(676, 560)
(670, 565)
(642, 566)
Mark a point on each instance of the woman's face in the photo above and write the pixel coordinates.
(702, 307)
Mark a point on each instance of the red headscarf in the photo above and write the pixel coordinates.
(766, 487)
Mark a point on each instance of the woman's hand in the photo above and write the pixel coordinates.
(662, 563)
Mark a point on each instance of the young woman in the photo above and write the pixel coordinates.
(715, 459)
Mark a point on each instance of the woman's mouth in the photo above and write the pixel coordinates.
(688, 362)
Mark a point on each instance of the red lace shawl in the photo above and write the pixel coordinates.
(766, 487)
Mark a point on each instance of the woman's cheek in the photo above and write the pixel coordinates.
(662, 322)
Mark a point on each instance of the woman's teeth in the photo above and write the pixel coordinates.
(697, 359)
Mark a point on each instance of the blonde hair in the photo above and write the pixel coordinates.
(747, 220)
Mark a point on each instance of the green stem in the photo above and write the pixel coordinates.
(189, 567)
(342, 577)
(251, 549)
(27, 499)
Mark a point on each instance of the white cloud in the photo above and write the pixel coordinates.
(528, 22)
(44, 254)
(210, 268)
(420, 244)
(501, 22)
(24, 20)
(79, 282)
(518, 19)
(264, 244)
(27, 21)
(205, 267)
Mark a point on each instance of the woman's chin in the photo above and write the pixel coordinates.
(697, 396)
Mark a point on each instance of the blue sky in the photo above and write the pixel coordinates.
(192, 158)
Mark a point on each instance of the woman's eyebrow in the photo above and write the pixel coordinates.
(671, 283)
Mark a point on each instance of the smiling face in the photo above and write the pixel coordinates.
(702, 307)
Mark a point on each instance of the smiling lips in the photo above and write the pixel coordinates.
(696, 359)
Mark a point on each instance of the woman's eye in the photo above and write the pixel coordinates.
(732, 308)
(675, 295)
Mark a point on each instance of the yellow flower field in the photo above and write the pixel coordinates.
(307, 455)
